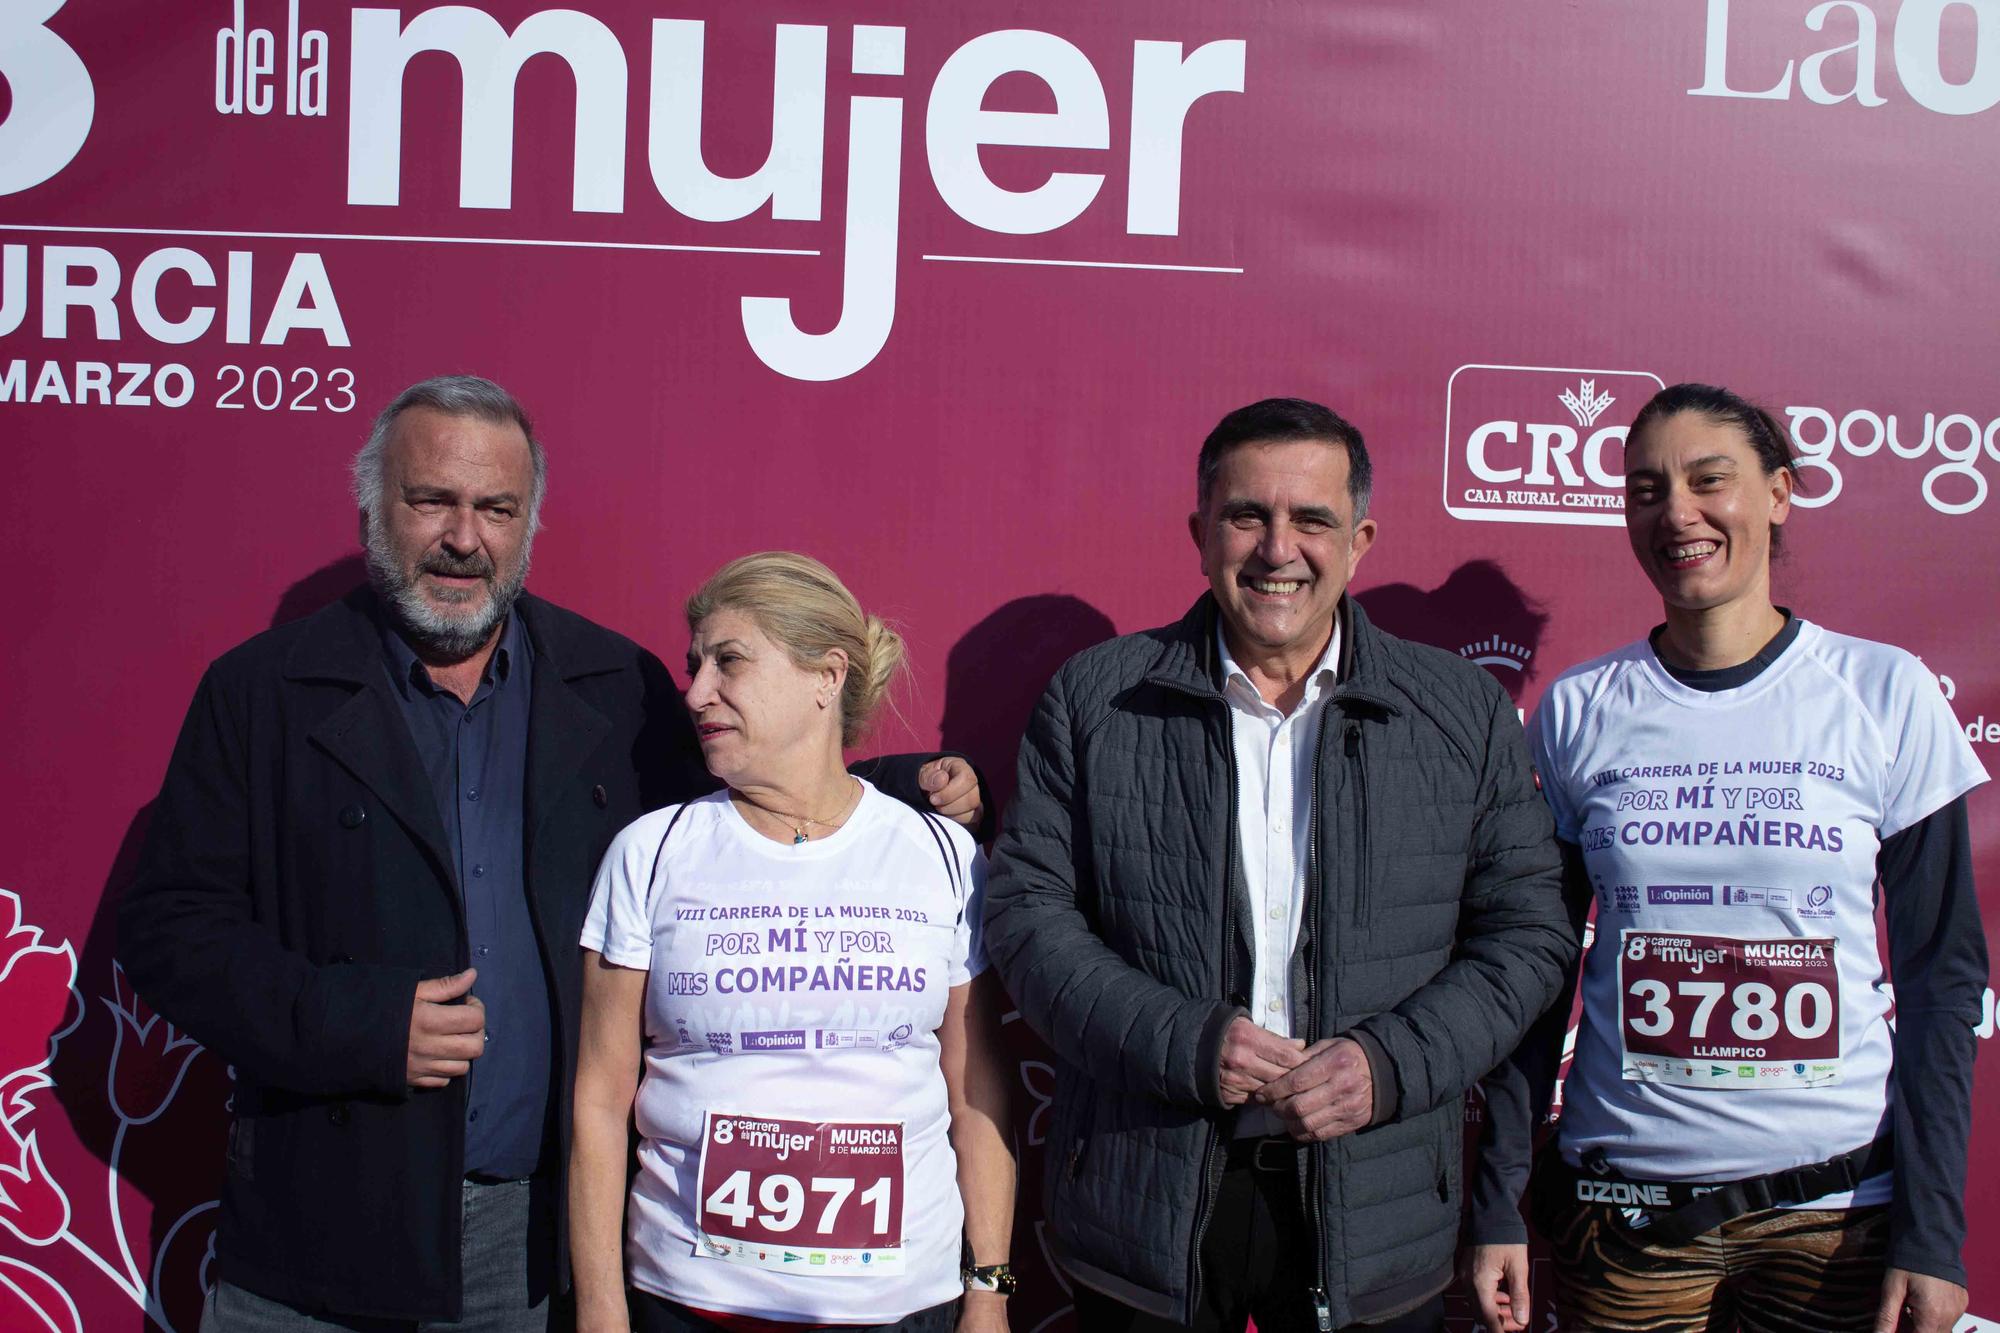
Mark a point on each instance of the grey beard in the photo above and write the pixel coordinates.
(438, 633)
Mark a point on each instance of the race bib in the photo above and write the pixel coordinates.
(1713, 1011)
(818, 1198)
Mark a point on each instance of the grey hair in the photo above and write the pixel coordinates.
(453, 395)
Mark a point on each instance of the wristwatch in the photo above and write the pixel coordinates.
(991, 1277)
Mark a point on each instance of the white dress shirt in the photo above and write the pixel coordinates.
(1274, 758)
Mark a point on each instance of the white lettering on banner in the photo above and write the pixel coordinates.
(245, 59)
(1166, 83)
(958, 126)
(1981, 732)
(868, 271)
(80, 279)
(1957, 438)
(60, 292)
(489, 60)
(143, 384)
(1918, 48)
(789, 180)
(1812, 74)
(54, 100)
(1164, 87)
(84, 383)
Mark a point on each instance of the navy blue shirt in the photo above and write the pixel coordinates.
(476, 755)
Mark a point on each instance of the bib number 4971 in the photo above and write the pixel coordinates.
(816, 1198)
(1715, 1011)
(782, 1204)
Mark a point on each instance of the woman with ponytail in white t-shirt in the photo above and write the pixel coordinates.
(785, 994)
(1744, 1142)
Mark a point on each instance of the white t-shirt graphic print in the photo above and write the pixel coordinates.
(799, 982)
(1735, 1012)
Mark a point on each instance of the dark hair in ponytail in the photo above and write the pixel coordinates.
(1765, 436)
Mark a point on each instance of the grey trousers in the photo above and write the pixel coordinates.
(507, 1252)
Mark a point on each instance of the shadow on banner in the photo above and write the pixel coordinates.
(142, 1098)
(1479, 612)
(994, 675)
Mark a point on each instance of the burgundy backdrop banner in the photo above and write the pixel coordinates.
(946, 295)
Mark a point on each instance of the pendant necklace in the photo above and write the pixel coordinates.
(800, 824)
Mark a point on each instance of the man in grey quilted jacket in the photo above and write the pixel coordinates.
(1277, 888)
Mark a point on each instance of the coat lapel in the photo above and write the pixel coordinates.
(563, 729)
(367, 735)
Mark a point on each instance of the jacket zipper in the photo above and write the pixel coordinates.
(1315, 1165)
(1211, 1158)
(1310, 1166)
(1352, 746)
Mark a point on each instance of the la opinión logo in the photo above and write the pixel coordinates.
(1916, 50)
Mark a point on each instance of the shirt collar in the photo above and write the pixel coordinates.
(1236, 680)
(407, 670)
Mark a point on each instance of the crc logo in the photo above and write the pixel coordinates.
(54, 100)
(1539, 444)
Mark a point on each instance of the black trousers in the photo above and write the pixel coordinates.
(1256, 1262)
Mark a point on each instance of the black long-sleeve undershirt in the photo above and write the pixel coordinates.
(1937, 960)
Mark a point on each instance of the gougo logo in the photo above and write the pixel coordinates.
(1524, 444)
(1958, 441)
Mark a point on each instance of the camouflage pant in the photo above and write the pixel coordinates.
(1776, 1271)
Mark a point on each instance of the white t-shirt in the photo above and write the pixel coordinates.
(1735, 1020)
(794, 999)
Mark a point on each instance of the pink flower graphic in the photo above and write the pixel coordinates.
(32, 1205)
(37, 993)
(33, 1303)
(150, 1058)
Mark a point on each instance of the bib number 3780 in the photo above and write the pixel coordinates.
(816, 1198)
(1714, 1011)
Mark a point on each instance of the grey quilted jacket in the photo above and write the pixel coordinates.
(1434, 935)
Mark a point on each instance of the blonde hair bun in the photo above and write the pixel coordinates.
(805, 609)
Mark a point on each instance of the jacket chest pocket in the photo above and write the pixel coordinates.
(358, 886)
(1401, 842)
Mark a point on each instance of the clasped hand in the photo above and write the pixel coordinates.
(447, 1031)
(1319, 1092)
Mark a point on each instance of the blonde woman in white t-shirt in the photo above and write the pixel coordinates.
(1744, 1143)
(785, 995)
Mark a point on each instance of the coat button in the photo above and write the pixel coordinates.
(600, 796)
(353, 817)
(337, 1115)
